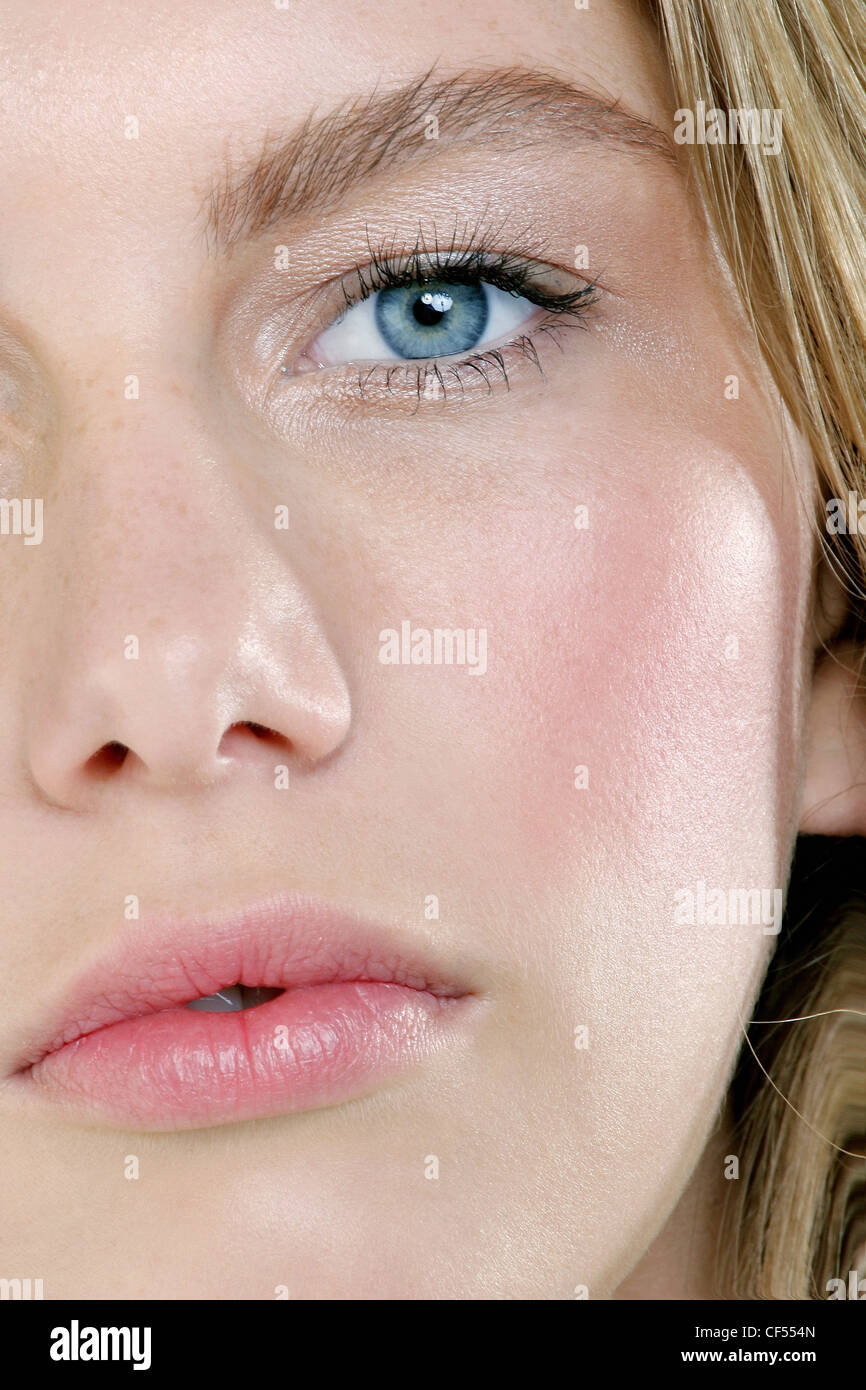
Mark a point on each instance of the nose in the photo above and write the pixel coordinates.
(173, 653)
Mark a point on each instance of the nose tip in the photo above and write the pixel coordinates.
(167, 752)
(189, 713)
(186, 742)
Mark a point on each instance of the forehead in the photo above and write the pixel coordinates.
(196, 80)
(116, 128)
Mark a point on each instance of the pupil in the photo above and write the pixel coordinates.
(430, 309)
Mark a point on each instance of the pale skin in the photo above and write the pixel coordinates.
(560, 1166)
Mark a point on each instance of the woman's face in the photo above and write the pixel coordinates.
(501, 1076)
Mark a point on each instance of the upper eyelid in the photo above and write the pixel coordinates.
(496, 261)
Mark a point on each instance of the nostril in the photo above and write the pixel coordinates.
(258, 729)
(107, 759)
(246, 731)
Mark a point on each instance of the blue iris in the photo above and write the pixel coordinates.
(432, 318)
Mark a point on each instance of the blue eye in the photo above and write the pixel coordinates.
(425, 319)
(433, 319)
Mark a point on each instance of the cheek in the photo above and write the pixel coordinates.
(639, 718)
(661, 650)
(645, 672)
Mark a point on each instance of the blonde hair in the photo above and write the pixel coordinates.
(793, 229)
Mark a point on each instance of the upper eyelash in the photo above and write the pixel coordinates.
(508, 270)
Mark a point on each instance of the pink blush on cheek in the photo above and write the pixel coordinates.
(655, 650)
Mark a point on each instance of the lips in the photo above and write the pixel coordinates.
(295, 1006)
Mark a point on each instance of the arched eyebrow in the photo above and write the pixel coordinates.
(316, 165)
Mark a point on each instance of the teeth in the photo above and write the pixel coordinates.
(233, 999)
(225, 1001)
(254, 995)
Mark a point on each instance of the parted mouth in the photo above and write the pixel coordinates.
(228, 999)
(233, 999)
(284, 1005)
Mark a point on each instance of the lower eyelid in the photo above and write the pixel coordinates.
(427, 383)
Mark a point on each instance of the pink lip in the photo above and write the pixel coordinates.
(357, 1009)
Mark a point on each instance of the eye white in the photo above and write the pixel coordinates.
(355, 335)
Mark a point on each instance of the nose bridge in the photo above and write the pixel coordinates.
(138, 512)
(166, 614)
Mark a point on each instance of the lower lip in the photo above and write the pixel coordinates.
(310, 1047)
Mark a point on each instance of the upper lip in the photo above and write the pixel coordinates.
(282, 943)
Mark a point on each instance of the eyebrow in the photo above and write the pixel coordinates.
(325, 157)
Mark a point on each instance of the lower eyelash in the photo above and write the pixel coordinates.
(488, 364)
